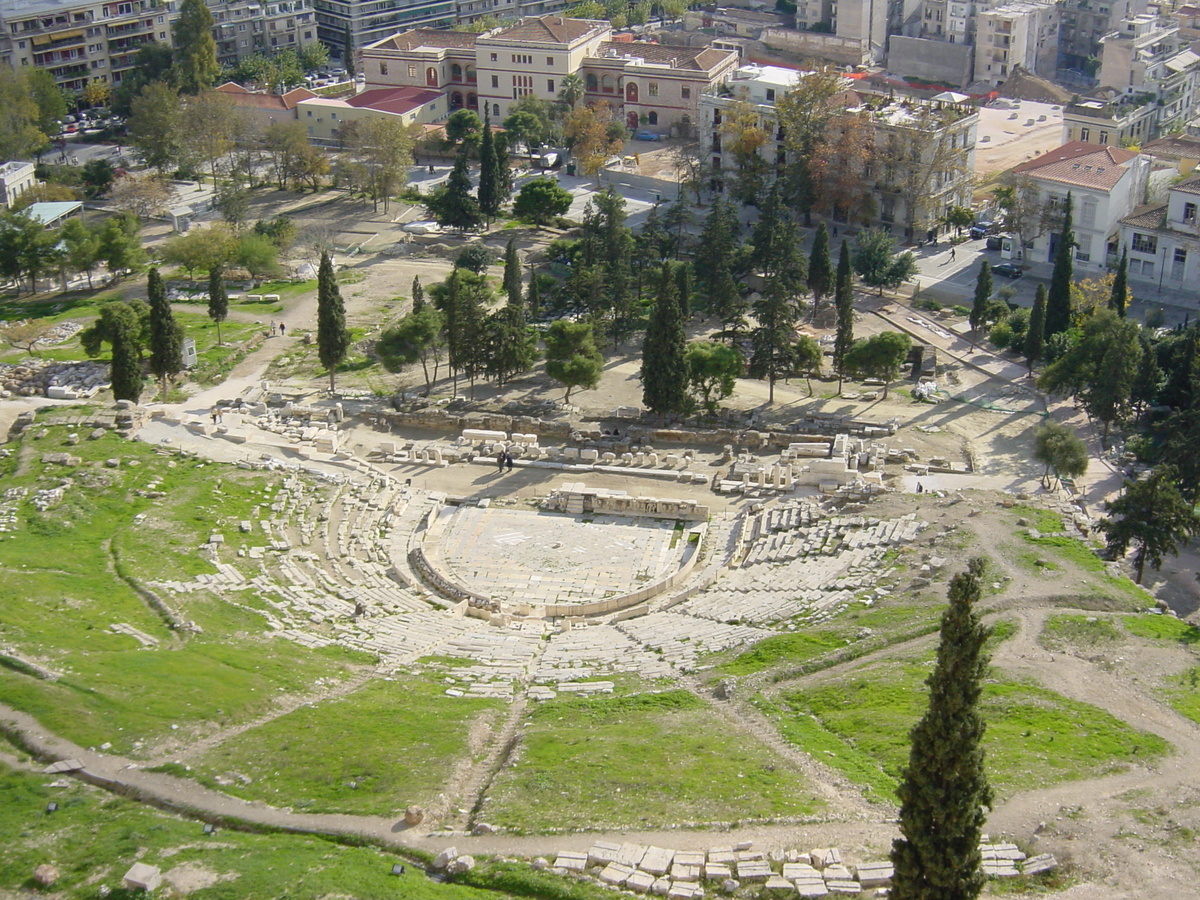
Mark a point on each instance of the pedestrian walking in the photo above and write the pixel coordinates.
(282, 330)
(273, 329)
(508, 461)
(216, 415)
(500, 460)
(952, 253)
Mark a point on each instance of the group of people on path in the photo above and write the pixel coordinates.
(279, 329)
(504, 461)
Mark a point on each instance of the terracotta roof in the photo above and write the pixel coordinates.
(1151, 216)
(426, 37)
(1082, 164)
(1189, 186)
(696, 58)
(1173, 147)
(249, 99)
(231, 87)
(394, 100)
(549, 30)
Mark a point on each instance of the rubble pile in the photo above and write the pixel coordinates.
(57, 380)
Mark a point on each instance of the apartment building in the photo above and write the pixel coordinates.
(244, 27)
(1085, 23)
(1023, 33)
(373, 21)
(1106, 184)
(1163, 240)
(471, 10)
(15, 179)
(645, 83)
(324, 117)
(925, 149)
(78, 41)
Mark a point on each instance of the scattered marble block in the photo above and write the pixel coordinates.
(657, 861)
(822, 857)
(142, 877)
(602, 853)
(715, 871)
(999, 868)
(630, 854)
(640, 882)
(661, 886)
(753, 870)
(812, 888)
(615, 873)
(447, 856)
(721, 855)
(1036, 865)
(793, 870)
(571, 860)
(844, 887)
(875, 874)
(683, 891)
(838, 873)
(779, 883)
(684, 872)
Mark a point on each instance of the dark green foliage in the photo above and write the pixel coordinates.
(715, 280)
(983, 295)
(843, 299)
(348, 51)
(510, 344)
(1058, 298)
(606, 255)
(1180, 440)
(944, 789)
(1035, 336)
(664, 368)
(1153, 516)
(195, 66)
(713, 370)
(218, 300)
(533, 297)
(418, 294)
(821, 274)
(475, 257)
(683, 285)
(1060, 449)
(166, 337)
(97, 176)
(879, 356)
(775, 244)
(489, 190)
(333, 338)
(512, 273)
(1119, 301)
(877, 263)
(463, 125)
(541, 200)
(776, 256)
(126, 367)
(120, 248)
(572, 358)
(280, 231)
(463, 299)
(104, 329)
(807, 358)
(418, 336)
(452, 204)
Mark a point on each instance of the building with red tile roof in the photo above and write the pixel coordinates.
(266, 108)
(325, 118)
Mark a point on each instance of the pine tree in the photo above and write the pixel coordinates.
(683, 284)
(126, 368)
(843, 299)
(944, 789)
(452, 204)
(821, 273)
(333, 340)
(511, 344)
(1058, 298)
(418, 294)
(714, 265)
(196, 67)
(983, 296)
(1034, 344)
(512, 273)
(776, 246)
(1119, 301)
(218, 300)
(664, 367)
(489, 195)
(166, 337)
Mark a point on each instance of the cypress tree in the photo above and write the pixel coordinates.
(772, 341)
(166, 337)
(683, 284)
(196, 67)
(512, 273)
(511, 345)
(418, 294)
(489, 196)
(348, 51)
(843, 299)
(533, 297)
(664, 368)
(333, 340)
(944, 789)
(820, 267)
(983, 295)
(1058, 298)
(1119, 301)
(503, 179)
(126, 368)
(452, 204)
(1035, 336)
(218, 300)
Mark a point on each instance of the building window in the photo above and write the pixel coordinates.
(1083, 247)
(1087, 214)
(549, 60)
(652, 89)
(770, 95)
(549, 85)
(412, 71)
(1085, 134)
(592, 82)
(383, 68)
(1145, 243)
(1104, 138)
(495, 81)
(1189, 213)
(685, 93)
(1177, 264)
(496, 110)
(494, 57)
(652, 118)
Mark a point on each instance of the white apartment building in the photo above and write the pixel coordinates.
(1163, 241)
(78, 41)
(244, 27)
(925, 150)
(1106, 184)
(15, 179)
(1023, 33)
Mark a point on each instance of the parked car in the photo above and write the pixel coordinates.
(422, 228)
(647, 136)
(1008, 270)
(994, 242)
(983, 229)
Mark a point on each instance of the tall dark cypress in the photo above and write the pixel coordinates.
(1034, 344)
(821, 273)
(664, 368)
(533, 296)
(1058, 298)
(166, 337)
(944, 789)
(683, 284)
(218, 300)
(983, 295)
(489, 196)
(843, 299)
(333, 340)
(126, 369)
(1119, 301)
(512, 273)
(418, 294)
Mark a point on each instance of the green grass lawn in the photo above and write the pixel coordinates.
(1079, 632)
(1096, 588)
(95, 837)
(644, 760)
(860, 724)
(61, 591)
(376, 751)
(1182, 691)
